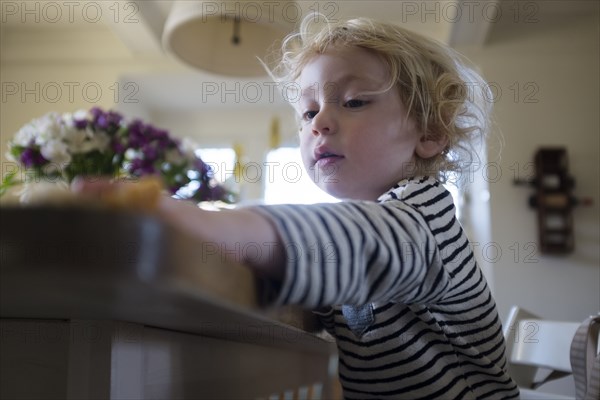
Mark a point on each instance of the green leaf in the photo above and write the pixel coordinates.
(8, 181)
(16, 151)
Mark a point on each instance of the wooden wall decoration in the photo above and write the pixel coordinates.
(554, 200)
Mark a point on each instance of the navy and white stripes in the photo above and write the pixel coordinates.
(405, 265)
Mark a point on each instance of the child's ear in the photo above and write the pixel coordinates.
(429, 146)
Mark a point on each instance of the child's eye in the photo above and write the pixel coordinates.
(308, 115)
(355, 103)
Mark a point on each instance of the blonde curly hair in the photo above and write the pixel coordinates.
(445, 97)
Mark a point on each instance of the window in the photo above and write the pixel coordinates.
(452, 186)
(287, 182)
(221, 160)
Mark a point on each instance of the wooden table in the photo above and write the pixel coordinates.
(105, 304)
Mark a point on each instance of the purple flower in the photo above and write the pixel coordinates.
(136, 137)
(155, 133)
(118, 147)
(114, 118)
(150, 152)
(202, 167)
(80, 123)
(105, 120)
(32, 158)
(96, 113)
(102, 122)
(148, 169)
(141, 167)
(135, 165)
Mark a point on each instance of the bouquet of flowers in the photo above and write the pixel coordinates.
(60, 147)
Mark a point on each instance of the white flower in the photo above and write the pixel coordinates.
(25, 135)
(39, 130)
(55, 151)
(76, 140)
(132, 154)
(80, 141)
(69, 119)
(81, 114)
(49, 127)
(100, 141)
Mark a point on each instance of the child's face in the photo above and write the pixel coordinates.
(354, 145)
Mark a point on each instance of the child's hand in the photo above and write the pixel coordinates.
(144, 194)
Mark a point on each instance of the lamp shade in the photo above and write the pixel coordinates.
(224, 37)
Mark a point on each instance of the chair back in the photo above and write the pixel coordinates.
(535, 345)
(544, 344)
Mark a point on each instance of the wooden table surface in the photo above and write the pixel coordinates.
(99, 303)
(82, 263)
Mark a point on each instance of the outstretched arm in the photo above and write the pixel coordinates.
(343, 253)
(231, 229)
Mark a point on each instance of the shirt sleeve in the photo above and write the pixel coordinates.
(355, 253)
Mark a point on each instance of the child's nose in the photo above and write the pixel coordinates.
(325, 122)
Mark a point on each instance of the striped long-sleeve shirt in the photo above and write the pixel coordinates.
(396, 283)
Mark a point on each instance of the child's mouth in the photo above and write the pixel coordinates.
(327, 159)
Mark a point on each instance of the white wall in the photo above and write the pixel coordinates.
(557, 72)
(65, 69)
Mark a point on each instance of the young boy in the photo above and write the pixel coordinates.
(384, 112)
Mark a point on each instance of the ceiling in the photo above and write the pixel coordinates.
(455, 22)
(130, 32)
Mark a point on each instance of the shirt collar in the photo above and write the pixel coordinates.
(395, 193)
